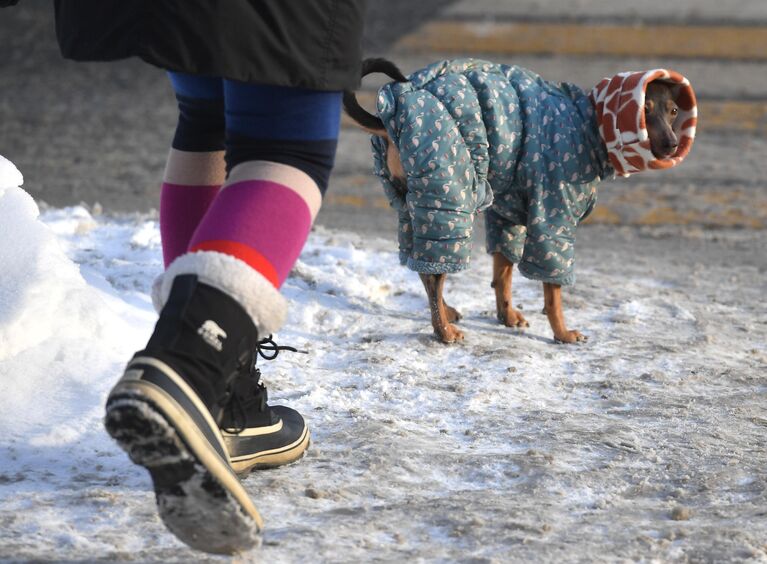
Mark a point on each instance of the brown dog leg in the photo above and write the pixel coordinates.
(502, 273)
(552, 294)
(443, 328)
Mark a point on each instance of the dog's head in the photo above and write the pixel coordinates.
(660, 114)
(647, 119)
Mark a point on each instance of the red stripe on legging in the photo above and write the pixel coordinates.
(248, 255)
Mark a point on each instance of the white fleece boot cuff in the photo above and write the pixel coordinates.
(157, 301)
(256, 294)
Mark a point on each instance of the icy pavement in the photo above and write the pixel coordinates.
(646, 443)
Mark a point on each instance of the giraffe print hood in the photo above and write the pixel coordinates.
(619, 103)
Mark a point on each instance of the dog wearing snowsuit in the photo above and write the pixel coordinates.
(477, 136)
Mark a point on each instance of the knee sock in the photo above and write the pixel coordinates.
(250, 237)
(191, 183)
(262, 216)
(196, 167)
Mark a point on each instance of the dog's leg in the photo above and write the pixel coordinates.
(502, 273)
(552, 294)
(444, 329)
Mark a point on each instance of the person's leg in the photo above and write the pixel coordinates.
(280, 150)
(165, 410)
(195, 169)
(217, 302)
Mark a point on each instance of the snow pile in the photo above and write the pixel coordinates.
(10, 176)
(57, 332)
(40, 287)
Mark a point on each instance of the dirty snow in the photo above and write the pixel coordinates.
(645, 443)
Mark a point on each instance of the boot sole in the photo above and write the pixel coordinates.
(199, 498)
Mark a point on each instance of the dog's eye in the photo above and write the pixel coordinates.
(674, 111)
(648, 106)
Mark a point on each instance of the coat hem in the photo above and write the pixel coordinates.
(529, 272)
(425, 267)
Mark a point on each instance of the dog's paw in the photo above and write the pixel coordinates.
(449, 334)
(571, 337)
(513, 318)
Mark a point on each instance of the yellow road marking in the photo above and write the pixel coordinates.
(605, 216)
(732, 115)
(358, 201)
(698, 41)
(727, 218)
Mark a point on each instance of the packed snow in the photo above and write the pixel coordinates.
(646, 442)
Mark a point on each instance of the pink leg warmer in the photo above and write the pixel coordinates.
(191, 183)
(262, 216)
(249, 239)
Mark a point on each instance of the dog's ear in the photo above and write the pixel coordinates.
(666, 86)
(675, 90)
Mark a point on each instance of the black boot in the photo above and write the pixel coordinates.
(166, 410)
(256, 434)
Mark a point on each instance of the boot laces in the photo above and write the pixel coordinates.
(237, 403)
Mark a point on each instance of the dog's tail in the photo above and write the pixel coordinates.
(351, 105)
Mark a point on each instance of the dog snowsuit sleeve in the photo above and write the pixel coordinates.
(436, 122)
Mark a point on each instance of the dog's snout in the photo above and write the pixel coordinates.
(670, 142)
(663, 139)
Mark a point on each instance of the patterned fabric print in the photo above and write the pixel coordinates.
(472, 133)
(440, 137)
(620, 109)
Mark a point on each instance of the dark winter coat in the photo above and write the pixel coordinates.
(314, 44)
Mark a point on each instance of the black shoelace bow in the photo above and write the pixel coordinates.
(246, 390)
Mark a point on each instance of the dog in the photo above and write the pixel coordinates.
(463, 136)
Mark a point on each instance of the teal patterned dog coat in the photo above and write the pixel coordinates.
(476, 136)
